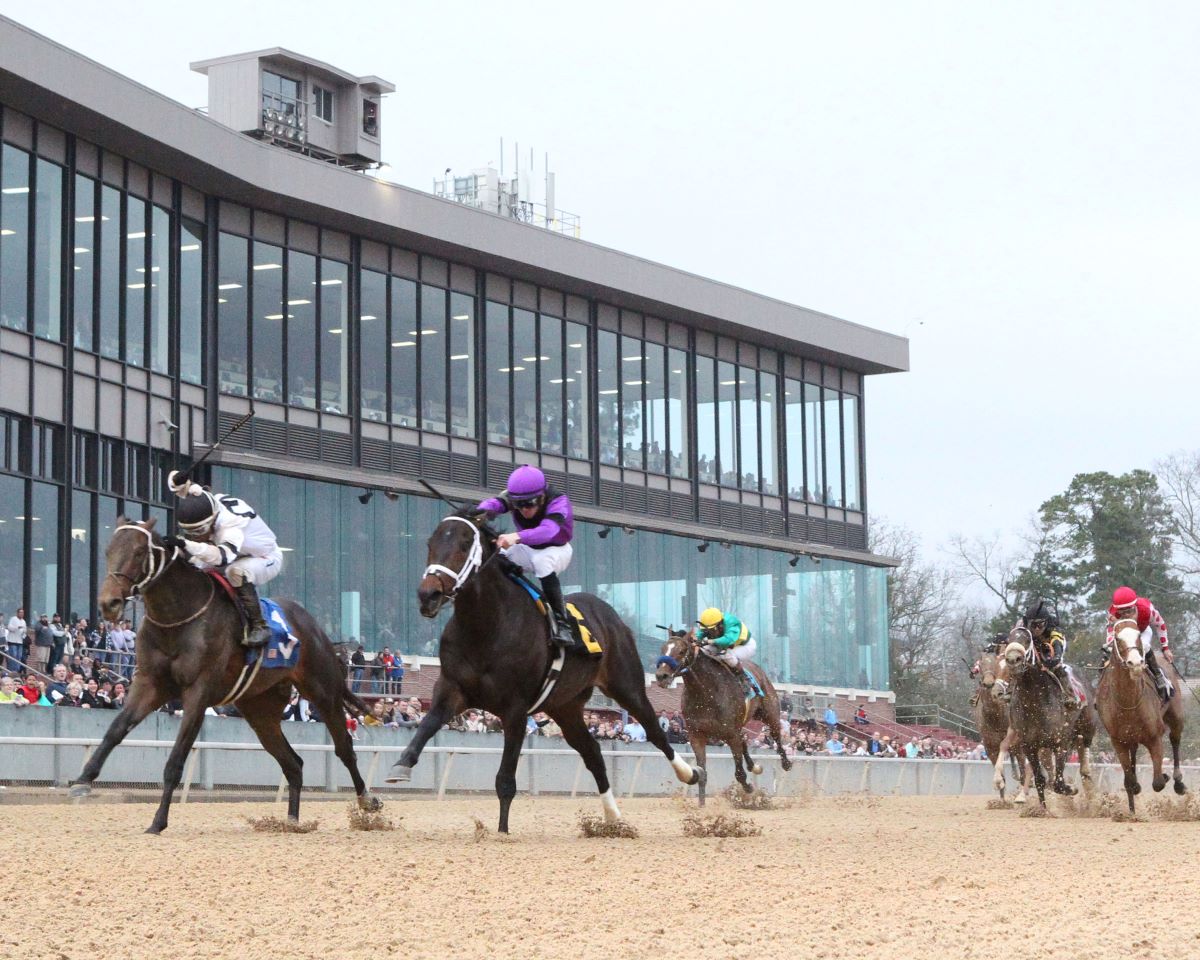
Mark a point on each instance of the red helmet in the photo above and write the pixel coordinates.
(1124, 597)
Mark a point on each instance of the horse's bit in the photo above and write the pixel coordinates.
(157, 562)
(473, 562)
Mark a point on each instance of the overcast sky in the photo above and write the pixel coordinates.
(1014, 187)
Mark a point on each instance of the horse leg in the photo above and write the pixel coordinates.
(143, 699)
(575, 732)
(753, 766)
(189, 729)
(263, 713)
(1126, 761)
(441, 710)
(1175, 725)
(739, 750)
(1156, 760)
(1060, 768)
(699, 748)
(638, 705)
(1039, 778)
(506, 776)
(776, 729)
(332, 712)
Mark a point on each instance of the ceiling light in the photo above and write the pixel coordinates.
(276, 316)
(11, 190)
(633, 358)
(605, 393)
(404, 343)
(152, 269)
(368, 316)
(634, 383)
(137, 235)
(297, 303)
(77, 249)
(327, 283)
(136, 286)
(229, 286)
(335, 330)
(188, 248)
(574, 346)
(268, 266)
(6, 232)
(460, 356)
(511, 369)
(424, 333)
(460, 316)
(88, 219)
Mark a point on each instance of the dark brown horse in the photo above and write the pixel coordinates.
(1040, 719)
(189, 647)
(991, 717)
(1133, 713)
(495, 654)
(714, 707)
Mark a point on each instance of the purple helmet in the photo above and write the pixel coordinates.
(525, 483)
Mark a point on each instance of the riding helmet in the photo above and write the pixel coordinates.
(1043, 611)
(1124, 597)
(712, 620)
(526, 483)
(196, 514)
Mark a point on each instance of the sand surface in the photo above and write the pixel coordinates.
(851, 877)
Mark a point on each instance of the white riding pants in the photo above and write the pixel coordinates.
(540, 561)
(734, 656)
(255, 570)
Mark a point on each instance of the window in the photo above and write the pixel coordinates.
(301, 322)
(159, 277)
(833, 448)
(266, 322)
(814, 444)
(335, 336)
(404, 352)
(633, 380)
(432, 346)
(280, 94)
(323, 104)
(81, 554)
(48, 251)
(850, 430)
(84, 259)
(768, 401)
(524, 379)
(232, 300)
(462, 365)
(706, 420)
(727, 387)
(373, 345)
(499, 373)
(109, 319)
(191, 301)
(370, 117)
(137, 280)
(677, 414)
(747, 422)
(656, 408)
(14, 237)
(577, 391)
(793, 397)
(550, 367)
(608, 364)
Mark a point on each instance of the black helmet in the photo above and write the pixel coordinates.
(1044, 612)
(196, 513)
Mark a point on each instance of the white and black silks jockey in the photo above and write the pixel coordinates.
(541, 544)
(224, 533)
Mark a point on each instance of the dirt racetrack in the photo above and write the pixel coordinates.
(851, 877)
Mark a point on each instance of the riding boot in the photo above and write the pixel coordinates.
(564, 634)
(1070, 701)
(258, 633)
(1160, 678)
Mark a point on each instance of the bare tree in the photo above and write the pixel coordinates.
(985, 563)
(1179, 480)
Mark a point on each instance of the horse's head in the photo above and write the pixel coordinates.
(1019, 650)
(1127, 645)
(678, 653)
(457, 548)
(135, 557)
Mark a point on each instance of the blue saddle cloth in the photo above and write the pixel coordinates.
(283, 649)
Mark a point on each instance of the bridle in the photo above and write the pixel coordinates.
(680, 667)
(1120, 647)
(154, 566)
(471, 565)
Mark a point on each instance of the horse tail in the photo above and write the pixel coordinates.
(356, 704)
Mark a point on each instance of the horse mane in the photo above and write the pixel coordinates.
(478, 517)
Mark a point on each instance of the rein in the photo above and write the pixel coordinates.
(156, 564)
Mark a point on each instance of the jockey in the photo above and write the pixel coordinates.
(541, 544)
(1127, 605)
(225, 533)
(1042, 622)
(729, 641)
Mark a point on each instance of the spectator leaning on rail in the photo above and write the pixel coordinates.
(1127, 605)
(541, 544)
(226, 533)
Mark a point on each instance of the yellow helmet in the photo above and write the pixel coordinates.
(711, 617)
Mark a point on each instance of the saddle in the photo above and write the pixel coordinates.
(283, 649)
(585, 642)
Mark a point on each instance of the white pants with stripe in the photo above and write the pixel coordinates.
(540, 561)
(734, 656)
(255, 570)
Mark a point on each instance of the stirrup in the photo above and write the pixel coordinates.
(256, 636)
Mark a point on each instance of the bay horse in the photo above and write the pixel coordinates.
(1133, 712)
(1039, 718)
(714, 707)
(189, 647)
(991, 717)
(495, 654)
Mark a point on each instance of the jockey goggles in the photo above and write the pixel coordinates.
(522, 502)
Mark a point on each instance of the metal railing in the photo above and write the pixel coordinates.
(934, 715)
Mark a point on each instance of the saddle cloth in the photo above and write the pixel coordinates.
(590, 643)
(1077, 688)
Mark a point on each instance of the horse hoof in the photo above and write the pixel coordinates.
(699, 777)
(370, 803)
(398, 774)
(1065, 790)
(747, 788)
(80, 790)
(1158, 784)
(756, 769)
(1137, 788)
(154, 829)
(786, 764)
(1020, 798)
(1180, 788)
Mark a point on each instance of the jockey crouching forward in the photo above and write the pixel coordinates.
(729, 641)
(224, 533)
(1127, 605)
(541, 544)
(1042, 623)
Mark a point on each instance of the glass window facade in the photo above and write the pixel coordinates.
(356, 568)
(14, 237)
(301, 326)
(48, 250)
(84, 262)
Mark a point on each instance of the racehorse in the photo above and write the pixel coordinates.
(1134, 714)
(1039, 718)
(714, 707)
(189, 647)
(495, 654)
(991, 717)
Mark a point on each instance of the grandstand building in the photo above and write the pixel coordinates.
(164, 271)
